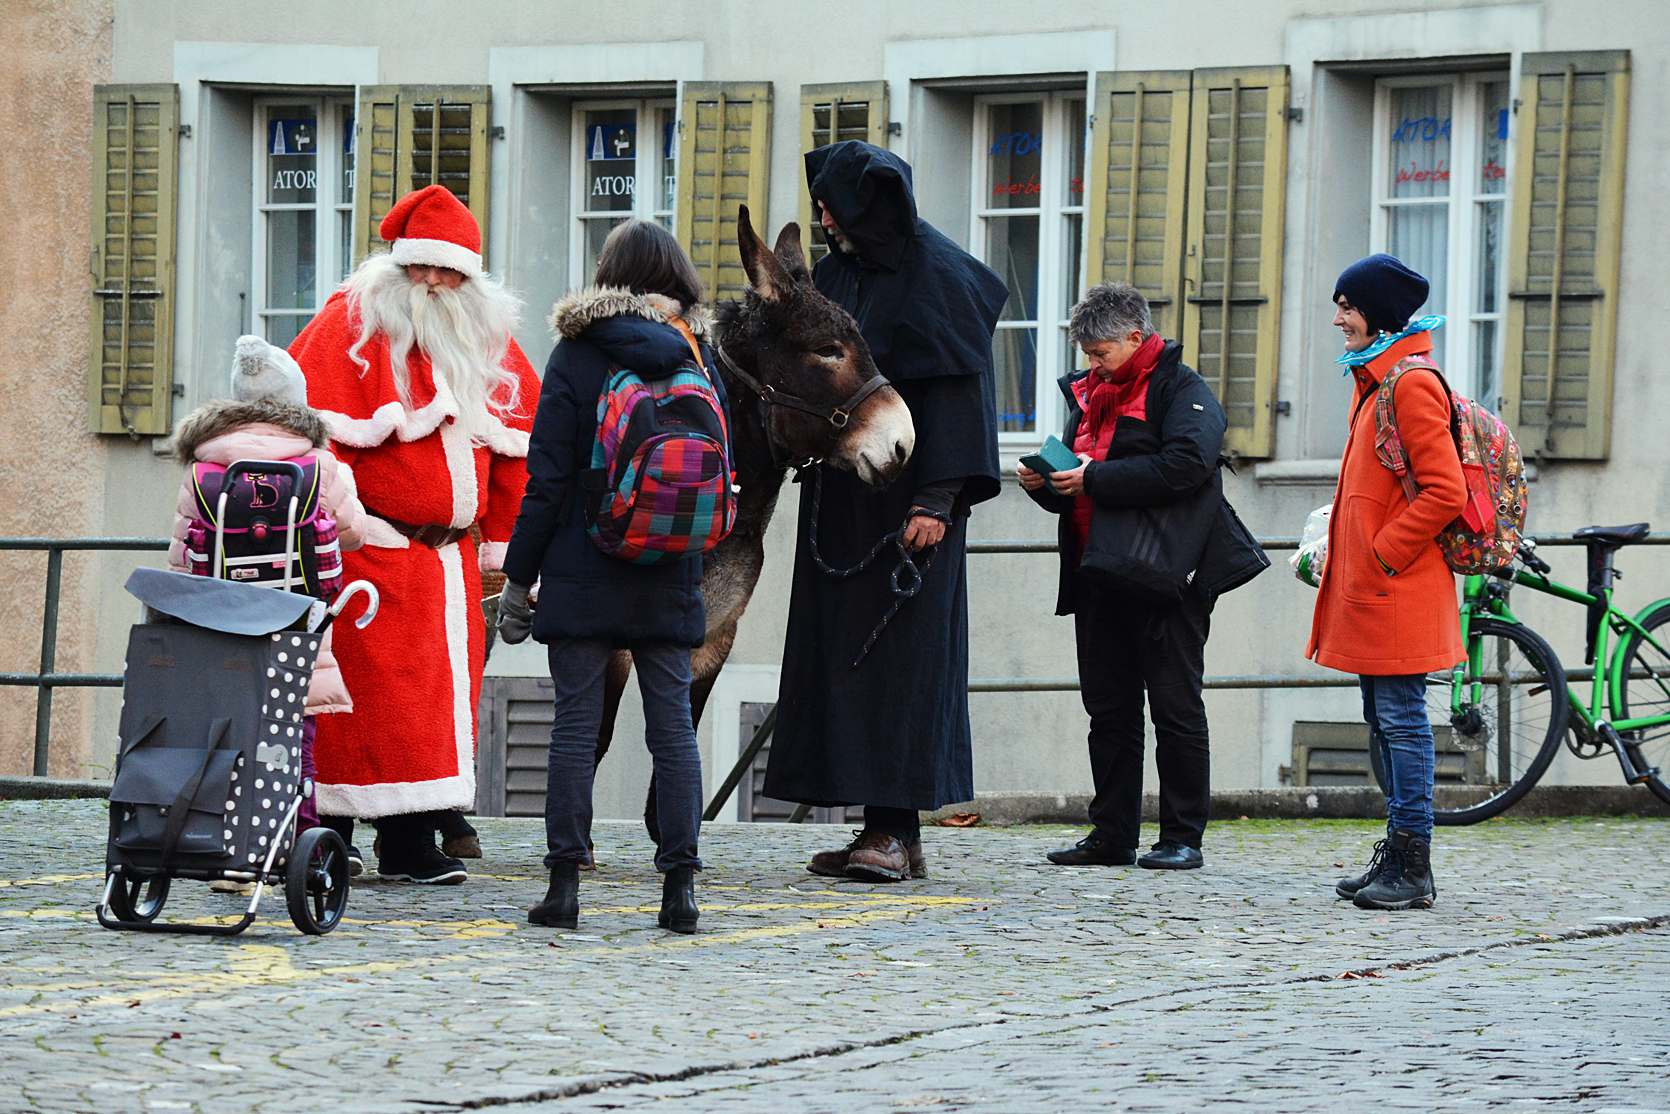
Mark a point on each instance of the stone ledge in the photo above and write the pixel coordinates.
(18, 788)
(1321, 802)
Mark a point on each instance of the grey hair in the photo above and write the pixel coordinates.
(1109, 311)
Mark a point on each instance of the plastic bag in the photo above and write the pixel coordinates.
(1311, 557)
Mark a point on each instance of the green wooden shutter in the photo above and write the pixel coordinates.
(1563, 254)
(135, 178)
(834, 114)
(1139, 166)
(412, 136)
(1233, 267)
(724, 159)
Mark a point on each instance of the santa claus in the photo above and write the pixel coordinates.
(429, 400)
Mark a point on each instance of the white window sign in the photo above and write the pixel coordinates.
(617, 178)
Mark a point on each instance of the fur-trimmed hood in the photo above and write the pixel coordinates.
(575, 311)
(222, 416)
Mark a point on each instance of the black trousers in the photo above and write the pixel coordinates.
(1124, 647)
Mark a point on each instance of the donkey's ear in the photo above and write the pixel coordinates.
(765, 273)
(791, 255)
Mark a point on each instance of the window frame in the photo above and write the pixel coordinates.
(326, 205)
(1465, 201)
(1052, 352)
(644, 170)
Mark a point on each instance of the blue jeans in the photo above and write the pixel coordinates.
(664, 681)
(1395, 708)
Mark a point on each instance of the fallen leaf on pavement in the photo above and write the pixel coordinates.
(961, 820)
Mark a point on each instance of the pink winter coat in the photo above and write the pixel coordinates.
(265, 429)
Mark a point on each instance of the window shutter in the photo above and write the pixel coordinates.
(1237, 192)
(834, 114)
(1563, 257)
(723, 161)
(412, 136)
(1139, 186)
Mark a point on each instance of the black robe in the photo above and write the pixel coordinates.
(893, 731)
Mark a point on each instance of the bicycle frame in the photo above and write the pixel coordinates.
(1602, 714)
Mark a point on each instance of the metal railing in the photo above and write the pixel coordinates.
(45, 679)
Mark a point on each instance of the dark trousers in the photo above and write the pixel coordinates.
(903, 824)
(1124, 647)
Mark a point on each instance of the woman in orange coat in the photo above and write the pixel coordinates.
(1387, 609)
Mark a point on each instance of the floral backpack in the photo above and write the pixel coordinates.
(1485, 537)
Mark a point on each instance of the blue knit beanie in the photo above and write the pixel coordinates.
(1383, 290)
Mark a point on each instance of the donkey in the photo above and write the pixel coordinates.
(802, 388)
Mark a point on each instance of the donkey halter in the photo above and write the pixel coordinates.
(836, 416)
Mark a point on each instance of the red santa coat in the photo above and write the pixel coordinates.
(415, 672)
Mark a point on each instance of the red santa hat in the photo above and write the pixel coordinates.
(430, 227)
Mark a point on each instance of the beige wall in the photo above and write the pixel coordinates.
(1022, 742)
(52, 480)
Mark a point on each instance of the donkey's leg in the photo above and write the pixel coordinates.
(615, 676)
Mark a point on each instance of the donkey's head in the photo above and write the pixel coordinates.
(809, 362)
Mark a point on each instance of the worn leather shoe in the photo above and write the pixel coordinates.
(1091, 851)
(833, 864)
(1168, 854)
(878, 857)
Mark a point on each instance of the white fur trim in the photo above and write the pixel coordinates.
(412, 425)
(460, 466)
(490, 556)
(458, 655)
(380, 535)
(504, 440)
(436, 253)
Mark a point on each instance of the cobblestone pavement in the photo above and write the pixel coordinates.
(1000, 983)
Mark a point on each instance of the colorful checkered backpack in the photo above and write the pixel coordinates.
(255, 531)
(660, 484)
(1485, 538)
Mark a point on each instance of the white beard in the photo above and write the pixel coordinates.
(464, 332)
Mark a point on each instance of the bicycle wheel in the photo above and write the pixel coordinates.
(1646, 692)
(1502, 742)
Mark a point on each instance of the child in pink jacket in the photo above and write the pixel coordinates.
(267, 418)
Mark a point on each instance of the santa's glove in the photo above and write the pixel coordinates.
(515, 615)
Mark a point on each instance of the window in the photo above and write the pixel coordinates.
(1441, 185)
(304, 202)
(1028, 226)
(624, 155)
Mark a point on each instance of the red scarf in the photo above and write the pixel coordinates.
(1124, 394)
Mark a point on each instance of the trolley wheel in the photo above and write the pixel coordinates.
(137, 899)
(316, 881)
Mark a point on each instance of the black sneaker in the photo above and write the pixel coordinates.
(1168, 854)
(356, 861)
(1091, 851)
(424, 864)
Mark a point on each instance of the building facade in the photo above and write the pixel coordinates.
(1229, 158)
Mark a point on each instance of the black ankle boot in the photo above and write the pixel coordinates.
(1405, 880)
(561, 907)
(678, 900)
(1348, 887)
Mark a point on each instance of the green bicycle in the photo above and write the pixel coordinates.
(1500, 717)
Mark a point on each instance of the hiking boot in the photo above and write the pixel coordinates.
(1169, 854)
(561, 907)
(833, 864)
(1405, 880)
(678, 900)
(1091, 851)
(1348, 887)
(878, 857)
(422, 863)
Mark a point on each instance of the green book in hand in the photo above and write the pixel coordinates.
(1052, 456)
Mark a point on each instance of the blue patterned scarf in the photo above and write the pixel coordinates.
(1386, 340)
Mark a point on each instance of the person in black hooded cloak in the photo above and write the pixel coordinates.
(890, 732)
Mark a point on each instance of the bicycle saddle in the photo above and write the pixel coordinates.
(1613, 535)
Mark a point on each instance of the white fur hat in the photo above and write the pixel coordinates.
(261, 370)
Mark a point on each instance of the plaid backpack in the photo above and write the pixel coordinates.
(1485, 537)
(660, 484)
(256, 528)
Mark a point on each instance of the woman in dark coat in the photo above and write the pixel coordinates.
(642, 314)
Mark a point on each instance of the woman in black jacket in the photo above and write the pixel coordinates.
(1148, 432)
(642, 313)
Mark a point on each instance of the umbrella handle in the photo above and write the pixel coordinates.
(357, 586)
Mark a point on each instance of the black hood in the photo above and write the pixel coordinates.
(867, 189)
